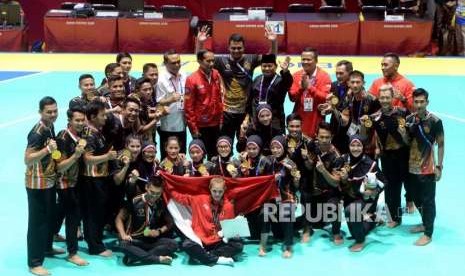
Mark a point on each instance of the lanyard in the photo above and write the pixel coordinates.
(243, 70)
(177, 85)
(420, 127)
(257, 167)
(75, 138)
(50, 129)
(267, 90)
(220, 165)
(216, 210)
(148, 213)
(359, 109)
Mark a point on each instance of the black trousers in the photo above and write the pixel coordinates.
(232, 124)
(209, 136)
(116, 198)
(395, 168)
(284, 227)
(68, 209)
(146, 251)
(317, 210)
(94, 204)
(358, 227)
(424, 196)
(41, 220)
(209, 255)
(164, 137)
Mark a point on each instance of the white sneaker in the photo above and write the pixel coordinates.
(225, 261)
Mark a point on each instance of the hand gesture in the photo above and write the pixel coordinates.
(320, 167)
(184, 160)
(243, 156)
(133, 176)
(79, 150)
(117, 110)
(305, 82)
(112, 154)
(234, 173)
(269, 34)
(344, 174)
(285, 64)
(176, 96)
(397, 94)
(202, 34)
(52, 145)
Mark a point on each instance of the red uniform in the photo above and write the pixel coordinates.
(203, 209)
(203, 104)
(320, 84)
(400, 83)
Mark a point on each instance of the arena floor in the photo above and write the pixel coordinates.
(26, 78)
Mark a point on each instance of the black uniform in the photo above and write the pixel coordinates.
(143, 216)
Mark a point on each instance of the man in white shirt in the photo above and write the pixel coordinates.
(170, 92)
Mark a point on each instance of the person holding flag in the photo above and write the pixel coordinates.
(198, 204)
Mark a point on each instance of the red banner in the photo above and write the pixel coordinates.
(408, 37)
(12, 40)
(86, 35)
(330, 34)
(138, 35)
(248, 194)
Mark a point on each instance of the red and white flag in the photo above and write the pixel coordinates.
(247, 194)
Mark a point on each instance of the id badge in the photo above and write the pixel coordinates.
(353, 129)
(180, 104)
(308, 104)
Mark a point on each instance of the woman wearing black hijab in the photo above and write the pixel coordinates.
(354, 174)
(223, 163)
(262, 126)
(287, 179)
(197, 153)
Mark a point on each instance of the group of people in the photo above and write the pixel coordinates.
(104, 168)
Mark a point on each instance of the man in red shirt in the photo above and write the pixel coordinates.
(207, 212)
(310, 87)
(203, 105)
(403, 87)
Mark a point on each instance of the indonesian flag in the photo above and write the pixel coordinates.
(247, 194)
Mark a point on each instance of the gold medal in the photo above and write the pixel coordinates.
(230, 168)
(292, 143)
(368, 123)
(56, 154)
(295, 172)
(168, 165)
(245, 165)
(202, 170)
(334, 100)
(401, 122)
(82, 142)
(347, 167)
(125, 153)
(91, 95)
